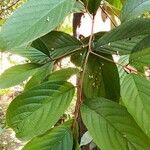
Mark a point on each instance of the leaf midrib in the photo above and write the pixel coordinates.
(111, 125)
(67, 91)
(139, 5)
(139, 91)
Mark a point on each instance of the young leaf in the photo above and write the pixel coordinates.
(39, 76)
(135, 92)
(134, 8)
(17, 74)
(128, 30)
(86, 139)
(35, 111)
(33, 20)
(101, 78)
(59, 43)
(58, 138)
(63, 74)
(111, 126)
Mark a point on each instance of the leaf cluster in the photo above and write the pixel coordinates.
(113, 98)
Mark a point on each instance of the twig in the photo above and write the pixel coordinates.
(108, 16)
(65, 55)
(125, 67)
(80, 100)
(105, 58)
(87, 56)
(92, 31)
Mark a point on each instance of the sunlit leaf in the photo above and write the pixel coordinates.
(33, 20)
(58, 138)
(35, 111)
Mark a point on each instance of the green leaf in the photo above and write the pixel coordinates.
(38, 109)
(140, 59)
(124, 60)
(58, 138)
(135, 93)
(131, 29)
(92, 5)
(39, 76)
(112, 127)
(135, 8)
(78, 7)
(142, 44)
(33, 20)
(123, 47)
(140, 54)
(63, 74)
(126, 46)
(78, 58)
(60, 44)
(39, 45)
(113, 8)
(32, 54)
(115, 3)
(101, 78)
(17, 74)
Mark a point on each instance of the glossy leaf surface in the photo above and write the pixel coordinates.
(134, 8)
(33, 20)
(37, 110)
(135, 95)
(58, 138)
(112, 127)
(17, 74)
(126, 31)
(101, 78)
(63, 74)
(59, 44)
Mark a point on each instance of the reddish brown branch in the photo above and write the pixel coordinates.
(108, 16)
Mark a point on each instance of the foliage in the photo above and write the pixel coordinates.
(7, 7)
(114, 97)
